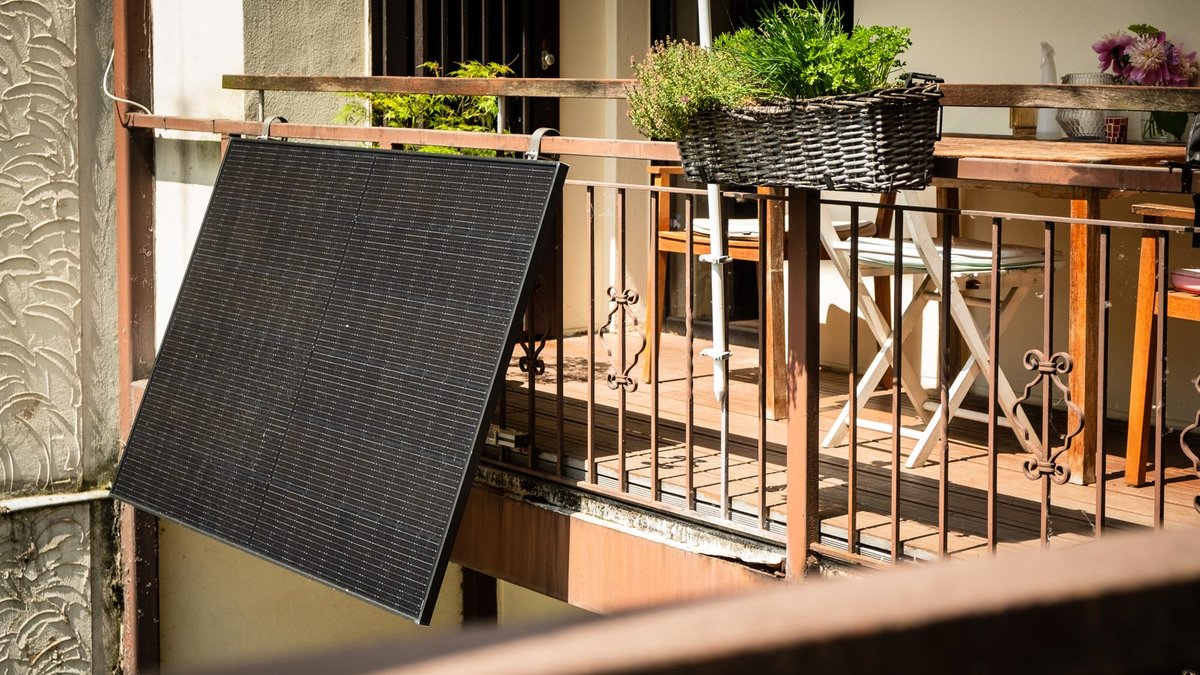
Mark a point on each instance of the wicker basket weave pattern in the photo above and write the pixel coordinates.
(876, 141)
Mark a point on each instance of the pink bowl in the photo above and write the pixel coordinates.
(1184, 279)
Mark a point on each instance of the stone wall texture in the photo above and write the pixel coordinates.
(46, 555)
(39, 248)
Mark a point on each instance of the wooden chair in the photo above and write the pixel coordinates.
(1180, 305)
(740, 248)
(971, 277)
(747, 249)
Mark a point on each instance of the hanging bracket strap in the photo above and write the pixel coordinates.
(535, 143)
(266, 129)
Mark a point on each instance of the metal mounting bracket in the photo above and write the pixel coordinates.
(715, 259)
(535, 143)
(715, 355)
(266, 129)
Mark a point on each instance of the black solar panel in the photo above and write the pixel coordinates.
(334, 354)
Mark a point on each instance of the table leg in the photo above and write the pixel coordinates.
(775, 239)
(1083, 328)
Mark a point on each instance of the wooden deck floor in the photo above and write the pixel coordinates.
(1019, 506)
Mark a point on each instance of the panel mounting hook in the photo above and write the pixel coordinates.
(266, 130)
(535, 143)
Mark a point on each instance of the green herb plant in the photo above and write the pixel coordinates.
(678, 79)
(431, 111)
(801, 51)
(798, 50)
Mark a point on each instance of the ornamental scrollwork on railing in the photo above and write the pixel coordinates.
(1045, 458)
(534, 341)
(620, 375)
(1192, 456)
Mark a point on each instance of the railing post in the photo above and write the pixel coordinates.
(803, 269)
(134, 211)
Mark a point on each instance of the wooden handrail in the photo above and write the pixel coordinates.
(1104, 97)
(385, 136)
(457, 86)
(1104, 176)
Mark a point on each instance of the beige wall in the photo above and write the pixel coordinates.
(598, 40)
(220, 605)
(516, 605)
(304, 37)
(1000, 41)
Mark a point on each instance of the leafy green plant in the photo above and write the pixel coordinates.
(431, 111)
(678, 79)
(801, 51)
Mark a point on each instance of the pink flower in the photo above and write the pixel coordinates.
(1111, 50)
(1148, 60)
(1183, 66)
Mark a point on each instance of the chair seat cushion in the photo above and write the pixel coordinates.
(739, 228)
(747, 228)
(968, 255)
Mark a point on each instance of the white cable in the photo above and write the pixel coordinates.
(104, 86)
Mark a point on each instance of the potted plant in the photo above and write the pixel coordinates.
(795, 102)
(1144, 56)
(443, 112)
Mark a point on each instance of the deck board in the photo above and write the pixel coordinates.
(1072, 513)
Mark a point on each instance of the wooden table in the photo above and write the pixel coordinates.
(1084, 245)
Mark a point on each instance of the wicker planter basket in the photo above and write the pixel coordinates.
(877, 141)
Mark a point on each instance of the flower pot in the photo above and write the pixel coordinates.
(876, 141)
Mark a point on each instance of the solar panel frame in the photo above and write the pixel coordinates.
(540, 248)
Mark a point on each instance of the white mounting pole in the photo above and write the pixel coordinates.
(717, 258)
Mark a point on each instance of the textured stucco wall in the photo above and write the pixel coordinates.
(304, 37)
(57, 336)
(39, 249)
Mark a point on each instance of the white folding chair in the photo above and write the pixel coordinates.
(1020, 272)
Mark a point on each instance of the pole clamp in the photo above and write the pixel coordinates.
(715, 259)
(535, 143)
(716, 355)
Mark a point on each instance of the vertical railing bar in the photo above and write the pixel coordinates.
(619, 297)
(1160, 381)
(531, 359)
(591, 358)
(993, 384)
(443, 35)
(526, 67)
(852, 450)
(1102, 379)
(483, 33)
(462, 31)
(897, 352)
(653, 328)
(1048, 349)
(949, 225)
(559, 359)
(690, 337)
(764, 211)
(726, 500)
